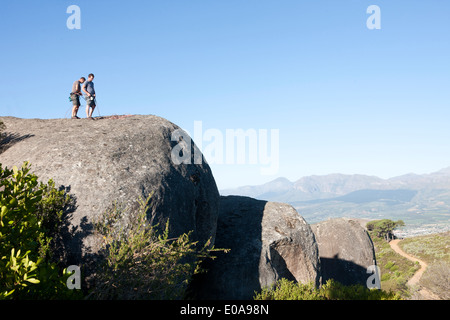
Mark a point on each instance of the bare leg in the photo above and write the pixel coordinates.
(92, 110)
(75, 111)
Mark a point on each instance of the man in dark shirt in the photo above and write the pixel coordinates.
(89, 91)
(75, 96)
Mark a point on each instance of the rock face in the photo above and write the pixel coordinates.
(268, 241)
(119, 159)
(346, 251)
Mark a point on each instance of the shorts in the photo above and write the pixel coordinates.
(75, 99)
(90, 101)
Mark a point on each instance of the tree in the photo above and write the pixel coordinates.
(384, 228)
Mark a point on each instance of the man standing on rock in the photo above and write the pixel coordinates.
(88, 89)
(75, 96)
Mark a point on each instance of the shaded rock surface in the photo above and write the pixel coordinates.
(110, 160)
(346, 251)
(268, 241)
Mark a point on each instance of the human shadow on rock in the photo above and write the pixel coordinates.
(344, 271)
(233, 275)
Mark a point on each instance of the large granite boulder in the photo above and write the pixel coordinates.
(117, 159)
(268, 241)
(346, 251)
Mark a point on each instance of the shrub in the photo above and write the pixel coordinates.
(142, 262)
(394, 268)
(284, 289)
(430, 248)
(387, 259)
(29, 214)
(437, 279)
(331, 290)
(412, 270)
(385, 277)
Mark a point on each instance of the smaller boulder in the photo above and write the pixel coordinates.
(268, 241)
(345, 249)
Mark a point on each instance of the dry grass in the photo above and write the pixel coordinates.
(437, 279)
(435, 250)
(429, 248)
(395, 269)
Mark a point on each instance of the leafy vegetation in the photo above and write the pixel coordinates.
(331, 290)
(142, 262)
(395, 269)
(29, 215)
(383, 228)
(434, 249)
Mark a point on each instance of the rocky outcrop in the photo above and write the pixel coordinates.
(123, 158)
(116, 159)
(268, 241)
(346, 251)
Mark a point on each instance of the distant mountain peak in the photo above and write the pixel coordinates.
(281, 179)
(338, 184)
(444, 171)
(280, 182)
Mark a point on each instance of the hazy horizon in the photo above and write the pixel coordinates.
(332, 173)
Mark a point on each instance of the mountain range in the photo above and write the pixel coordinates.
(422, 201)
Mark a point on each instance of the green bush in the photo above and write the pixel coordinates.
(412, 270)
(29, 215)
(394, 268)
(385, 277)
(331, 290)
(142, 262)
(389, 265)
(284, 289)
(383, 228)
(387, 259)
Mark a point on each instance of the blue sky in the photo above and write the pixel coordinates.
(344, 98)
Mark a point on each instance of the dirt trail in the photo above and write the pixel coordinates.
(425, 293)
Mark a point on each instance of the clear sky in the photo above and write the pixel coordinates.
(344, 98)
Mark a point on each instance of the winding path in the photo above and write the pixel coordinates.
(425, 293)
